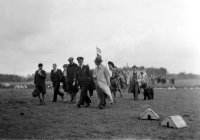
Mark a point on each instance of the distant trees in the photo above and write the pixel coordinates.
(29, 77)
(150, 71)
(163, 72)
(183, 75)
(17, 78)
(157, 71)
(10, 78)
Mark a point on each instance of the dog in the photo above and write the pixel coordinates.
(35, 92)
(148, 93)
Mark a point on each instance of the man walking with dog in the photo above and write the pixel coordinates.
(134, 82)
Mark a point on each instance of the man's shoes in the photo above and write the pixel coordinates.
(72, 102)
(87, 105)
(41, 103)
(65, 101)
(100, 107)
(78, 105)
(62, 97)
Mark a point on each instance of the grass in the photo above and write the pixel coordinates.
(21, 117)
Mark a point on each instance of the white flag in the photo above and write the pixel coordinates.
(98, 52)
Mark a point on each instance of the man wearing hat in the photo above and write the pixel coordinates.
(39, 81)
(102, 80)
(134, 81)
(83, 76)
(72, 88)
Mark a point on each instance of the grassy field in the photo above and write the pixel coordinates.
(21, 117)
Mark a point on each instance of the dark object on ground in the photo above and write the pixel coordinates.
(13, 102)
(35, 92)
(22, 113)
(148, 93)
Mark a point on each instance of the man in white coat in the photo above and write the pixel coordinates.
(102, 80)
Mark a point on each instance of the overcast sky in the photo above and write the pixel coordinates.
(157, 33)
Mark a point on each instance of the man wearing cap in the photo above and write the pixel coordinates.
(102, 80)
(83, 76)
(56, 77)
(72, 88)
(134, 81)
(39, 81)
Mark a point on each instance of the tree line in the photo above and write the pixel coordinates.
(18, 78)
(150, 71)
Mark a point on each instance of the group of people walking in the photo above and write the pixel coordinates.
(80, 76)
(72, 77)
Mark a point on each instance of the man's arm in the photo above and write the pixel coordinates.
(75, 76)
(51, 76)
(60, 73)
(94, 75)
(130, 77)
(61, 76)
(146, 79)
(35, 77)
(107, 75)
(88, 72)
(139, 77)
(43, 74)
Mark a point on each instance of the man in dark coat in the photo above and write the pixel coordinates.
(56, 77)
(72, 88)
(39, 81)
(83, 76)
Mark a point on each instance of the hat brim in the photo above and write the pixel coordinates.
(80, 58)
(40, 65)
(70, 59)
(98, 60)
